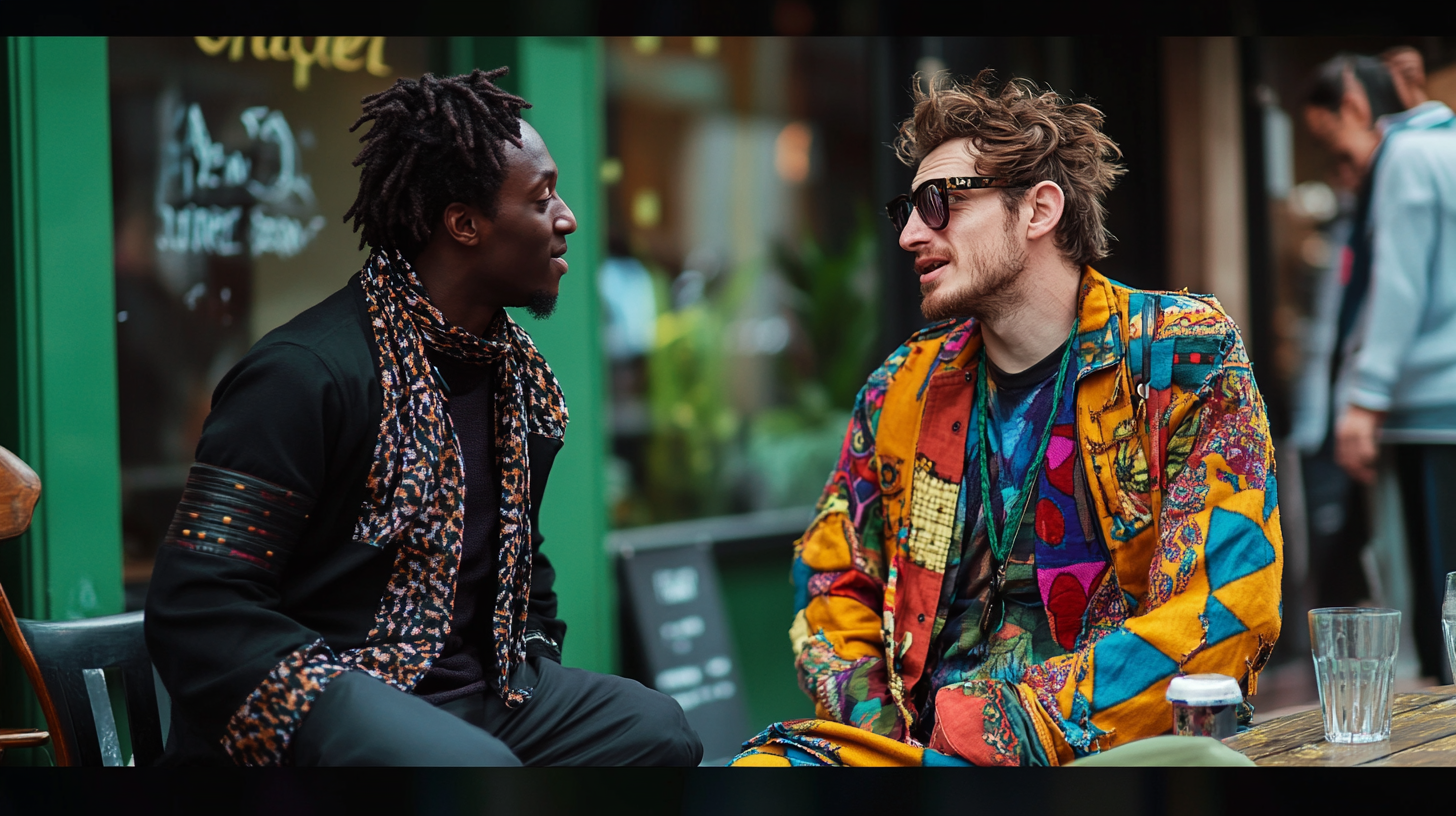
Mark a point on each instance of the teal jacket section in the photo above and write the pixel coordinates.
(1407, 364)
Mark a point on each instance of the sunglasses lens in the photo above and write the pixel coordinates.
(899, 212)
(930, 199)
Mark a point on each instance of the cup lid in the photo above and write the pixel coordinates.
(1205, 689)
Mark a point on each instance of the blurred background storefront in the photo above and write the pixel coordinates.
(170, 200)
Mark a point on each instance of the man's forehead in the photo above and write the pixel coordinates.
(954, 157)
(531, 162)
(532, 148)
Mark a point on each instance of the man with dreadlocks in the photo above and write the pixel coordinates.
(354, 575)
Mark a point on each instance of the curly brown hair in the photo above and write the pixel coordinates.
(1027, 134)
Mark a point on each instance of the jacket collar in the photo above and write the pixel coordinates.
(1100, 337)
(1425, 116)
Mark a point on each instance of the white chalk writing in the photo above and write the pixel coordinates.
(675, 586)
(281, 235)
(691, 699)
(199, 230)
(679, 634)
(679, 678)
(200, 178)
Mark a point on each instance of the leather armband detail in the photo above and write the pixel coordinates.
(261, 731)
(229, 513)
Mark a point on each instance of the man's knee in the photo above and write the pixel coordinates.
(662, 730)
(361, 721)
(581, 717)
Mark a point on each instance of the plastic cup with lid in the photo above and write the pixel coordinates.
(1205, 705)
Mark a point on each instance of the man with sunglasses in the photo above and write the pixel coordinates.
(1048, 503)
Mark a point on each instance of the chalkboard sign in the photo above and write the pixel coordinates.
(679, 644)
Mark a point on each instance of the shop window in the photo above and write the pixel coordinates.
(739, 291)
(231, 161)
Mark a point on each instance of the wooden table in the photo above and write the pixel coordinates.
(1422, 732)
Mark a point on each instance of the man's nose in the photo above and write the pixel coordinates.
(565, 221)
(915, 234)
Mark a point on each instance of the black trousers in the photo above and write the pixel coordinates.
(1427, 475)
(575, 717)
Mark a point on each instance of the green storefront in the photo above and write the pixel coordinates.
(58, 345)
(102, 242)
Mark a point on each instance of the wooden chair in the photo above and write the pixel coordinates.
(19, 491)
(111, 702)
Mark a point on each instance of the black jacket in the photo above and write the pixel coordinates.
(302, 411)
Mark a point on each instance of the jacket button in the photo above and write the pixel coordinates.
(955, 427)
(968, 376)
(920, 617)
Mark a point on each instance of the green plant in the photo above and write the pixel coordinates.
(791, 448)
(833, 302)
(702, 455)
(695, 427)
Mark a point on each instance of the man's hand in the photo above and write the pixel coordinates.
(1355, 446)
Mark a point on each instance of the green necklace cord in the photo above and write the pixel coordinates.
(1000, 543)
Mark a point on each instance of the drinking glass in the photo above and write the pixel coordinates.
(1354, 666)
(1448, 620)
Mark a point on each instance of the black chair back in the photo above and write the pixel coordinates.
(108, 698)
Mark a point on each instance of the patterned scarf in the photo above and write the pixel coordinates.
(416, 486)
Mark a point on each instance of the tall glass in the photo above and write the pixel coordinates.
(1354, 665)
(1448, 620)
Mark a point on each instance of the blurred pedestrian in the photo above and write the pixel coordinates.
(1401, 375)
(1348, 95)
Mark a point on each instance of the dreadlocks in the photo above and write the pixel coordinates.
(434, 142)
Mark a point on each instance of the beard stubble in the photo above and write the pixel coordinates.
(994, 288)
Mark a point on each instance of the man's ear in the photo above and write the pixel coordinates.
(465, 224)
(1047, 202)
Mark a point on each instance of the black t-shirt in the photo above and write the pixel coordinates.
(468, 659)
(959, 645)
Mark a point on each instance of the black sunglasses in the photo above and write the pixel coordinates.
(930, 199)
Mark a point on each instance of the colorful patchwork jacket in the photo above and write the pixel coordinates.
(1183, 483)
